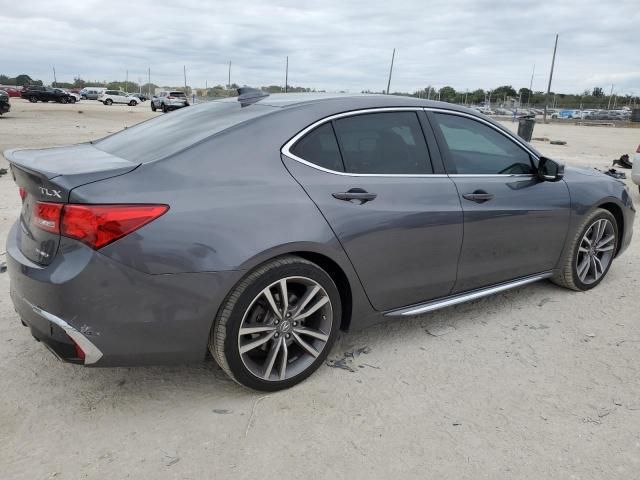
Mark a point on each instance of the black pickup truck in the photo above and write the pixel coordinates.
(5, 106)
(33, 93)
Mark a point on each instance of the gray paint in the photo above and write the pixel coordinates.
(236, 202)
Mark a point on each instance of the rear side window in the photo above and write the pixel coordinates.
(320, 148)
(383, 143)
(166, 135)
(477, 149)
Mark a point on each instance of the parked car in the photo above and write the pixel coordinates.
(109, 97)
(635, 172)
(5, 106)
(73, 94)
(92, 93)
(142, 96)
(167, 101)
(11, 91)
(35, 93)
(257, 227)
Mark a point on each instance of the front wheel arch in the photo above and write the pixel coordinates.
(616, 211)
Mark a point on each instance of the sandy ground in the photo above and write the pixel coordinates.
(538, 382)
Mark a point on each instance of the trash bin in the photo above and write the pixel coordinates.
(525, 128)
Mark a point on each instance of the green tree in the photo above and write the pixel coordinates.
(476, 96)
(500, 92)
(447, 94)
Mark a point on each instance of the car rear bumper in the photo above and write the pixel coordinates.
(115, 314)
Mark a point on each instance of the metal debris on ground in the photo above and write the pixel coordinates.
(558, 142)
(624, 161)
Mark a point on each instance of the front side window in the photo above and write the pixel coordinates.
(477, 149)
(383, 143)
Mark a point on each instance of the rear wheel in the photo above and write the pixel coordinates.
(133, 103)
(589, 257)
(63, 100)
(33, 99)
(108, 101)
(165, 109)
(72, 100)
(277, 326)
(153, 106)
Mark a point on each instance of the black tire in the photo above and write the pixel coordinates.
(72, 100)
(63, 100)
(567, 275)
(108, 101)
(133, 103)
(153, 106)
(223, 340)
(165, 109)
(33, 99)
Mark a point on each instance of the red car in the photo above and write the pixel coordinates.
(12, 91)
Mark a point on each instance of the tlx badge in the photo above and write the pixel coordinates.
(50, 192)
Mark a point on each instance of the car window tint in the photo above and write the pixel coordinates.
(320, 148)
(475, 148)
(166, 135)
(383, 143)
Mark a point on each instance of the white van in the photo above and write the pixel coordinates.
(92, 93)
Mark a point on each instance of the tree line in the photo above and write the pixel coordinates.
(502, 95)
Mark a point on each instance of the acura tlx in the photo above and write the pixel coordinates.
(255, 228)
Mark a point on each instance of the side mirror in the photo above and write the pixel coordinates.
(550, 171)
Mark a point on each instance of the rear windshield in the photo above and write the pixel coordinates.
(172, 132)
(176, 94)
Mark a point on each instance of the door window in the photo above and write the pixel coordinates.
(320, 148)
(383, 143)
(477, 149)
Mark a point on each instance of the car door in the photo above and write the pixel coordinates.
(514, 224)
(399, 220)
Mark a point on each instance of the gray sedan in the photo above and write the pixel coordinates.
(255, 228)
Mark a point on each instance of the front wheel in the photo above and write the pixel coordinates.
(72, 100)
(33, 99)
(277, 326)
(589, 257)
(133, 103)
(153, 106)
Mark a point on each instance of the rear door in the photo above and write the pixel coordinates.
(398, 218)
(514, 224)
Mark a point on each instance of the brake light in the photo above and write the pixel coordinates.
(100, 225)
(22, 192)
(46, 216)
(638, 149)
(170, 98)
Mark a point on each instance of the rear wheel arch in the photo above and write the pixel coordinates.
(322, 260)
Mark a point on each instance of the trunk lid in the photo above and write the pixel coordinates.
(46, 178)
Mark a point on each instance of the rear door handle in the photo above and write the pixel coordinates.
(355, 194)
(479, 196)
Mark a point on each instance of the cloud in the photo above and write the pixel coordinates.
(333, 45)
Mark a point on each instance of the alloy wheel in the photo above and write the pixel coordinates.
(285, 328)
(595, 251)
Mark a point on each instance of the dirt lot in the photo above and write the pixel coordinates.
(538, 382)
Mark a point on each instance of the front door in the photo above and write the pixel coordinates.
(371, 176)
(514, 224)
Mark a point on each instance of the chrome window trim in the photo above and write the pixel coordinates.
(286, 148)
(510, 136)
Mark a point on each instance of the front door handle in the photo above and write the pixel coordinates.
(355, 194)
(479, 196)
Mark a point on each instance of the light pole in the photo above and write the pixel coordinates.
(546, 97)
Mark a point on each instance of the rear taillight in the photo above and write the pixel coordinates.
(170, 98)
(22, 192)
(99, 225)
(638, 149)
(46, 216)
(94, 225)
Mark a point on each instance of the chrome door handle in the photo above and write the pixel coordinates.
(479, 196)
(355, 194)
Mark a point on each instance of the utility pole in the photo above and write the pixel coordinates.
(531, 85)
(393, 56)
(126, 82)
(229, 84)
(184, 71)
(465, 96)
(286, 75)
(546, 97)
(149, 82)
(610, 95)
(54, 76)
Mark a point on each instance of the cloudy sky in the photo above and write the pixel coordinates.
(331, 44)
